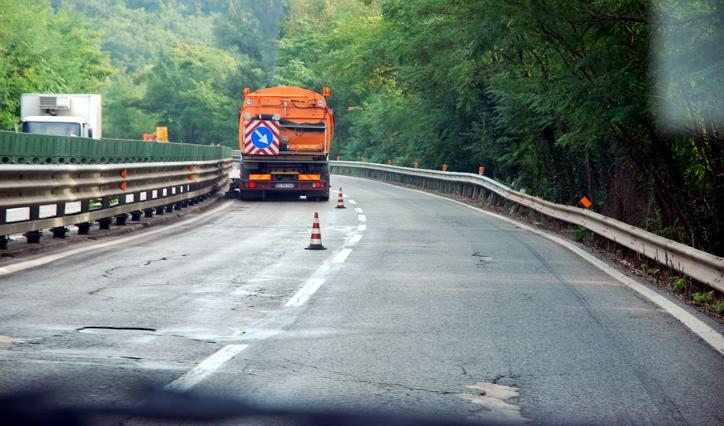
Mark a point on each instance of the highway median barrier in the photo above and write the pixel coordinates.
(49, 182)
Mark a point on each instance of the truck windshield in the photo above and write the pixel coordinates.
(52, 128)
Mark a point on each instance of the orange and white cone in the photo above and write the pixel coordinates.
(340, 200)
(315, 242)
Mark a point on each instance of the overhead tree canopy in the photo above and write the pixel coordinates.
(557, 98)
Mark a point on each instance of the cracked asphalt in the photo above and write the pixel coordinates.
(433, 304)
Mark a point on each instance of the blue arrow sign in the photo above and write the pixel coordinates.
(262, 137)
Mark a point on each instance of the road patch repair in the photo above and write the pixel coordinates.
(494, 397)
(6, 341)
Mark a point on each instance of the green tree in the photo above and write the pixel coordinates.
(196, 93)
(45, 51)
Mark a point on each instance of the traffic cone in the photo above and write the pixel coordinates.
(315, 242)
(340, 200)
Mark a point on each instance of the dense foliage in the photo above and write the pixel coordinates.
(41, 51)
(556, 97)
(175, 63)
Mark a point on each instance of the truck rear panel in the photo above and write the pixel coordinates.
(284, 136)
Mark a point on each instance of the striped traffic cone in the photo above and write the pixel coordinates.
(315, 242)
(340, 200)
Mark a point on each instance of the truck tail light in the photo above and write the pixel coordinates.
(309, 177)
(260, 177)
(249, 184)
(317, 185)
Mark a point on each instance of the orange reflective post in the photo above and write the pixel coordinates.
(416, 164)
(444, 167)
(481, 170)
(389, 162)
(585, 202)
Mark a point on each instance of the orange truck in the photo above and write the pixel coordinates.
(285, 134)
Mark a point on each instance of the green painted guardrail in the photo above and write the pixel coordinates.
(23, 148)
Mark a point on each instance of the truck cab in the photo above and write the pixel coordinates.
(57, 126)
(74, 115)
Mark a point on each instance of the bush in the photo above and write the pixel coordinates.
(679, 284)
(703, 298)
(578, 234)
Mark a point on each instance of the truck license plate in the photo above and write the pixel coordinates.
(283, 185)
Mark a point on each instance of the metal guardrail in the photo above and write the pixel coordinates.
(696, 264)
(36, 197)
(23, 148)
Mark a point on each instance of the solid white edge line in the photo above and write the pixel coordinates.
(305, 292)
(699, 327)
(205, 368)
(42, 260)
(342, 255)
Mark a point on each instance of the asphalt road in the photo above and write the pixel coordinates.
(418, 306)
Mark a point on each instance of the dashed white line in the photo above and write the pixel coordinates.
(342, 255)
(205, 368)
(304, 293)
(352, 201)
(362, 218)
(361, 227)
(358, 210)
(355, 239)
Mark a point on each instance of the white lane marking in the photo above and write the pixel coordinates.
(352, 201)
(342, 255)
(205, 368)
(361, 227)
(699, 327)
(304, 293)
(42, 260)
(355, 238)
(358, 210)
(362, 218)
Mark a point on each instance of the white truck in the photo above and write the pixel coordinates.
(61, 114)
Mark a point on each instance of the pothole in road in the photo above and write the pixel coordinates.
(110, 329)
(494, 398)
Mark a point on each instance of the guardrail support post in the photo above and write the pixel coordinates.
(60, 209)
(148, 212)
(491, 199)
(160, 210)
(33, 237)
(105, 223)
(136, 216)
(4, 242)
(34, 212)
(83, 228)
(121, 219)
(59, 232)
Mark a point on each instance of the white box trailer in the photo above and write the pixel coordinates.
(61, 114)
